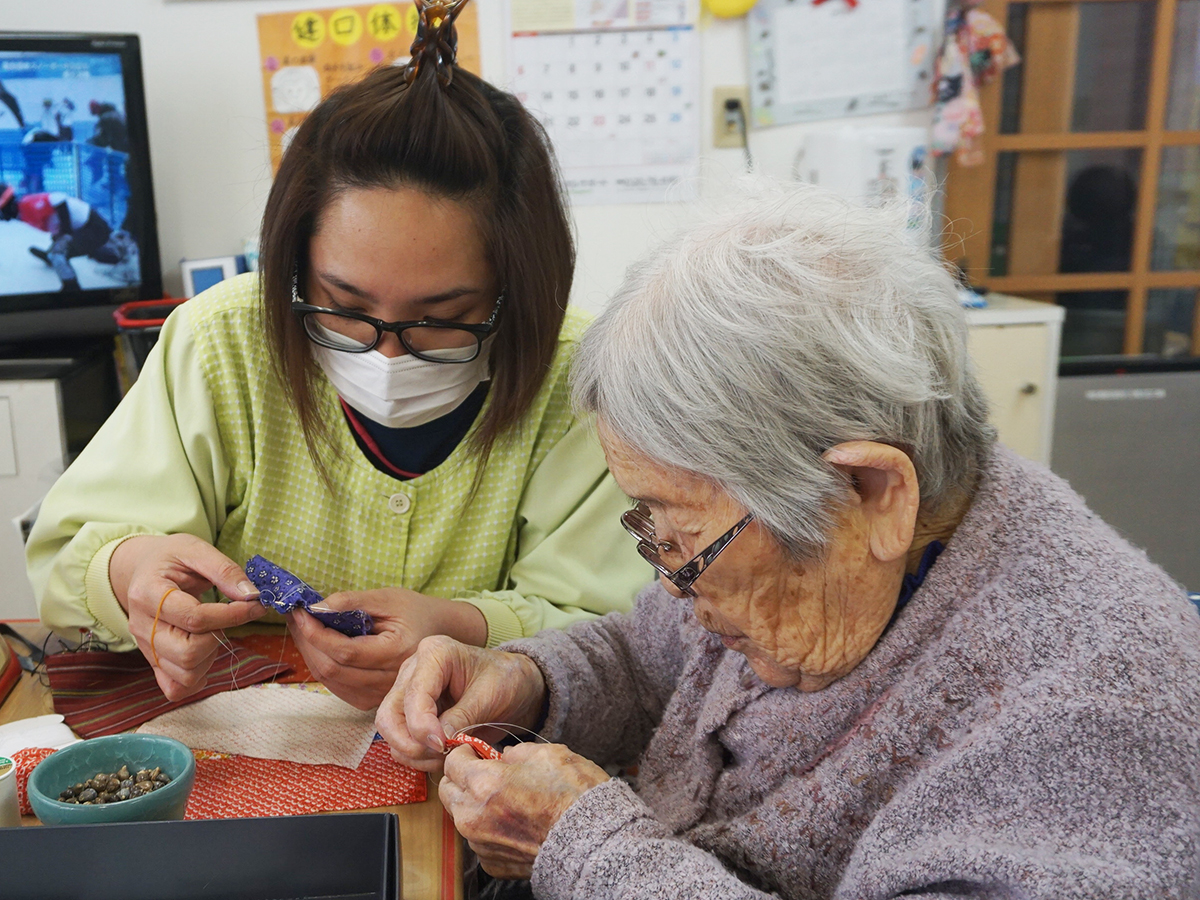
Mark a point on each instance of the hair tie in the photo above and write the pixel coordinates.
(437, 39)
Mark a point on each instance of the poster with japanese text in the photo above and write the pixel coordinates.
(307, 54)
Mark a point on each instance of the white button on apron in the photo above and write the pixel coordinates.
(399, 503)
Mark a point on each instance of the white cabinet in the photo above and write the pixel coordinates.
(32, 455)
(1015, 345)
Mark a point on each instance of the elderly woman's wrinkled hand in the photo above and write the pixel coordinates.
(505, 808)
(446, 686)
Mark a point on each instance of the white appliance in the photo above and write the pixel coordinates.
(869, 165)
(1127, 437)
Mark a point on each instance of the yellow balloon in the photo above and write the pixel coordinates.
(729, 9)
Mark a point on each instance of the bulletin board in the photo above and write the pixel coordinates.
(307, 54)
(824, 59)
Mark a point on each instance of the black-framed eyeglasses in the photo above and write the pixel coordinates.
(428, 339)
(638, 523)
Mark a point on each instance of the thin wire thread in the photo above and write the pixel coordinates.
(282, 654)
(274, 597)
(41, 669)
(236, 663)
(741, 115)
(505, 726)
(227, 642)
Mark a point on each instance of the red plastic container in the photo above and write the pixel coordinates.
(138, 325)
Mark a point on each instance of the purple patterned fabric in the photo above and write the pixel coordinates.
(282, 591)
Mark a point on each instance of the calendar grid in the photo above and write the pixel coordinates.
(620, 105)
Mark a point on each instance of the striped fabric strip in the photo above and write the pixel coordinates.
(282, 649)
(101, 692)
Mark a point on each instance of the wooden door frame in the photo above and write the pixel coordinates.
(969, 204)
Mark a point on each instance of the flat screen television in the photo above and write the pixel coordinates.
(78, 232)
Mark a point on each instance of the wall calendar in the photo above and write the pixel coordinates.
(621, 107)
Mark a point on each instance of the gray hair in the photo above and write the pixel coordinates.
(764, 334)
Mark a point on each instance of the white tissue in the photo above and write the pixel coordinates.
(40, 731)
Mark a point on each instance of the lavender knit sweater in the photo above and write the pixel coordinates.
(1028, 727)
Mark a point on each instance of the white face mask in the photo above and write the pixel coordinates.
(405, 391)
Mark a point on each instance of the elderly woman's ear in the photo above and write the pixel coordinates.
(886, 494)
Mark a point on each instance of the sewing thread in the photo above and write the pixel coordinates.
(482, 748)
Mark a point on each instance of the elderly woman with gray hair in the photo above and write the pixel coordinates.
(885, 656)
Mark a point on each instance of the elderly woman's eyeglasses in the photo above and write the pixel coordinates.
(427, 339)
(638, 523)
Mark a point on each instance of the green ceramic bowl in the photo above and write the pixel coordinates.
(81, 761)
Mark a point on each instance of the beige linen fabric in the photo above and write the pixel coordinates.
(272, 722)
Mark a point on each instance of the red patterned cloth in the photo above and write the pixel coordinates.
(231, 787)
(482, 748)
(26, 760)
(101, 692)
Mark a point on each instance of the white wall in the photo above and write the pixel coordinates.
(208, 133)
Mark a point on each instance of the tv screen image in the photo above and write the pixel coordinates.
(64, 154)
(77, 225)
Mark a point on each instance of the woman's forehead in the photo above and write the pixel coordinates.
(408, 224)
(644, 478)
(399, 245)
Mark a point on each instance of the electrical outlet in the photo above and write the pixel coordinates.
(727, 125)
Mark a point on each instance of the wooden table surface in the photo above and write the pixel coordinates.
(431, 851)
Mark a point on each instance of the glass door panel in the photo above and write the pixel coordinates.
(1177, 217)
(1112, 66)
(1170, 322)
(1183, 103)
(1095, 322)
(1068, 212)
(1086, 67)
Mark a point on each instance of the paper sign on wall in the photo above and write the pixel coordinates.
(823, 59)
(307, 54)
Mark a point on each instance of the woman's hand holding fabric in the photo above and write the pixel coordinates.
(157, 576)
(362, 669)
(505, 808)
(446, 686)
